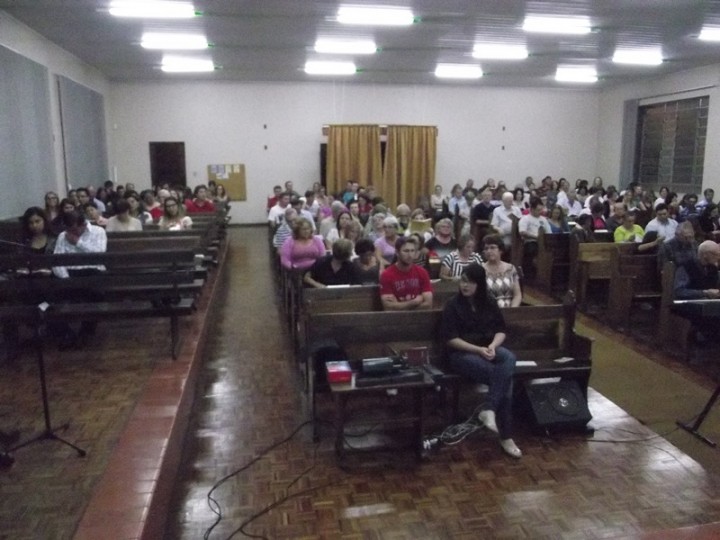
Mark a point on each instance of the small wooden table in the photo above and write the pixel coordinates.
(414, 418)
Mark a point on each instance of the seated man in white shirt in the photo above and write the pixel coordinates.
(503, 216)
(79, 236)
(662, 224)
(529, 227)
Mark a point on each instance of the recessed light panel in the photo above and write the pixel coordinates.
(640, 57)
(710, 33)
(329, 68)
(458, 71)
(576, 74)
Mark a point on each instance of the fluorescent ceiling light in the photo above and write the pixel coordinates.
(643, 57)
(182, 64)
(458, 71)
(330, 68)
(375, 15)
(152, 9)
(710, 33)
(153, 40)
(345, 46)
(557, 25)
(488, 51)
(576, 74)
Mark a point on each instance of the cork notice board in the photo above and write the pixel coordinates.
(231, 177)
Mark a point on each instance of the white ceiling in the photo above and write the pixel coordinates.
(270, 40)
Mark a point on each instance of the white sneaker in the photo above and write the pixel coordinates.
(510, 448)
(487, 418)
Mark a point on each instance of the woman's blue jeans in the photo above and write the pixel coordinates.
(498, 375)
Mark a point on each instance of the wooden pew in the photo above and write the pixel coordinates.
(591, 261)
(134, 285)
(633, 278)
(539, 334)
(672, 330)
(552, 261)
(352, 299)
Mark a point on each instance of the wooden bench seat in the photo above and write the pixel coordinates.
(138, 284)
(353, 299)
(552, 261)
(591, 261)
(541, 334)
(633, 278)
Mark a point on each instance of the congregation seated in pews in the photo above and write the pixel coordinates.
(55, 257)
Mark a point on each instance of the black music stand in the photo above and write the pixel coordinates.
(693, 428)
(49, 433)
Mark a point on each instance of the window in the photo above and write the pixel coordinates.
(671, 144)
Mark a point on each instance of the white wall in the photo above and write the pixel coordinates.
(673, 86)
(546, 131)
(19, 38)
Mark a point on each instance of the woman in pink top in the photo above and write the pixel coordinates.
(302, 249)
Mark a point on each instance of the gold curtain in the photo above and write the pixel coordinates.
(410, 158)
(353, 153)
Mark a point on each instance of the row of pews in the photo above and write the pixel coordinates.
(351, 319)
(630, 278)
(147, 274)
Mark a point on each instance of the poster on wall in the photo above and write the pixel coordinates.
(231, 177)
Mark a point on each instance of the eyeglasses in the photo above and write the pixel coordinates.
(172, 205)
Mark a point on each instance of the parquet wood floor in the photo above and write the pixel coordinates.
(568, 487)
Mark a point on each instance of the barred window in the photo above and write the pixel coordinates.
(671, 144)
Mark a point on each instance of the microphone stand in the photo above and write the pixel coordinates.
(694, 428)
(49, 432)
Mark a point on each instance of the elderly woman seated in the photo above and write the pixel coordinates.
(503, 281)
(454, 262)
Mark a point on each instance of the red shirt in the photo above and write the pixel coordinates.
(405, 285)
(156, 212)
(194, 207)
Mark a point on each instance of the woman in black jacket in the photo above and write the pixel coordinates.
(473, 329)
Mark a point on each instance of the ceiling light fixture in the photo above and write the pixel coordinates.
(458, 71)
(557, 25)
(345, 46)
(313, 67)
(710, 33)
(182, 64)
(640, 57)
(152, 9)
(489, 51)
(375, 15)
(576, 74)
(154, 40)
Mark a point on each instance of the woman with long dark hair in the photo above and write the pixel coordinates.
(36, 233)
(473, 328)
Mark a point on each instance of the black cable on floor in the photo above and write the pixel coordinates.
(215, 506)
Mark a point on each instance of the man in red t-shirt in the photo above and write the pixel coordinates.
(200, 203)
(404, 285)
